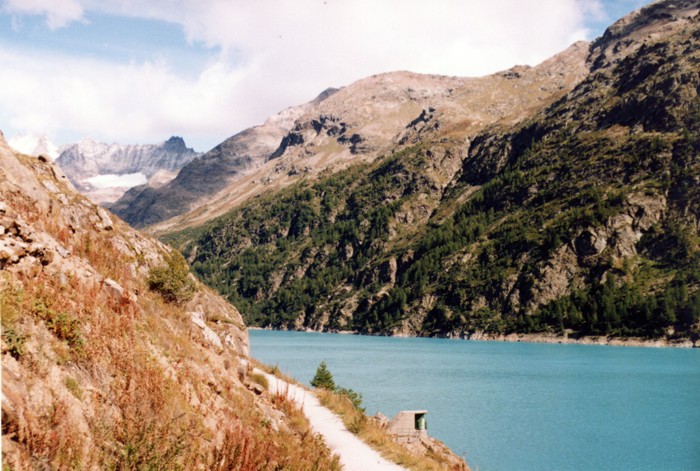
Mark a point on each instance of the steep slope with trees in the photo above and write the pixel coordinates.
(581, 218)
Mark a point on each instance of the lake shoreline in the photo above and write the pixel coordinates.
(541, 338)
(587, 340)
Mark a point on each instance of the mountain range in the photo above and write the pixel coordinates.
(357, 123)
(99, 169)
(561, 198)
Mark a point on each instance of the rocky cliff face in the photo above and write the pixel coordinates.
(113, 355)
(570, 210)
(87, 159)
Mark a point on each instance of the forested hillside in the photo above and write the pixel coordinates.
(581, 219)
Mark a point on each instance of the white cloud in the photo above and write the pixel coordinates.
(59, 13)
(595, 9)
(273, 54)
(341, 38)
(126, 103)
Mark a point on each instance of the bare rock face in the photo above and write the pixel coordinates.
(621, 233)
(628, 34)
(590, 243)
(557, 277)
(228, 330)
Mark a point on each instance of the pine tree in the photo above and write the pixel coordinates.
(323, 378)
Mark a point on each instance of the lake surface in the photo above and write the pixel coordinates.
(517, 406)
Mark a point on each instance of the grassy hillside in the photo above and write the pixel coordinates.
(113, 356)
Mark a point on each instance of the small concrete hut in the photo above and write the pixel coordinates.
(409, 425)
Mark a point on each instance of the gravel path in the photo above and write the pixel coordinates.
(355, 455)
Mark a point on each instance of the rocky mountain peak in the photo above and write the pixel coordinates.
(175, 144)
(629, 33)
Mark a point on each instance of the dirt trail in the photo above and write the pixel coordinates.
(355, 455)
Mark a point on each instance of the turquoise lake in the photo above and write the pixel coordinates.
(518, 406)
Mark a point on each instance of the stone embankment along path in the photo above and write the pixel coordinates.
(355, 455)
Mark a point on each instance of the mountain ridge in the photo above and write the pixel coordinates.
(355, 123)
(578, 217)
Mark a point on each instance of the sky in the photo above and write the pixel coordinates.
(139, 71)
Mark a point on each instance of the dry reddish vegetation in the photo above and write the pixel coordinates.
(99, 372)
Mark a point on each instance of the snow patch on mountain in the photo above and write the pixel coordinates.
(127, 180)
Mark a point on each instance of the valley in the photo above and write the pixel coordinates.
(453, 225)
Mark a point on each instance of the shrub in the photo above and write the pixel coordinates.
(173, 280)
(358, 424)
(73, 386)
(61, 324)
(324, 380)
(14, 342)
(10, 299)
(354, 397)
(261, 380)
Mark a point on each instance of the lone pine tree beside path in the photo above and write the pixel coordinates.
(323, 378)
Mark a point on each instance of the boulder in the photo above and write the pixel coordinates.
(113, 288)
(209, 335)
